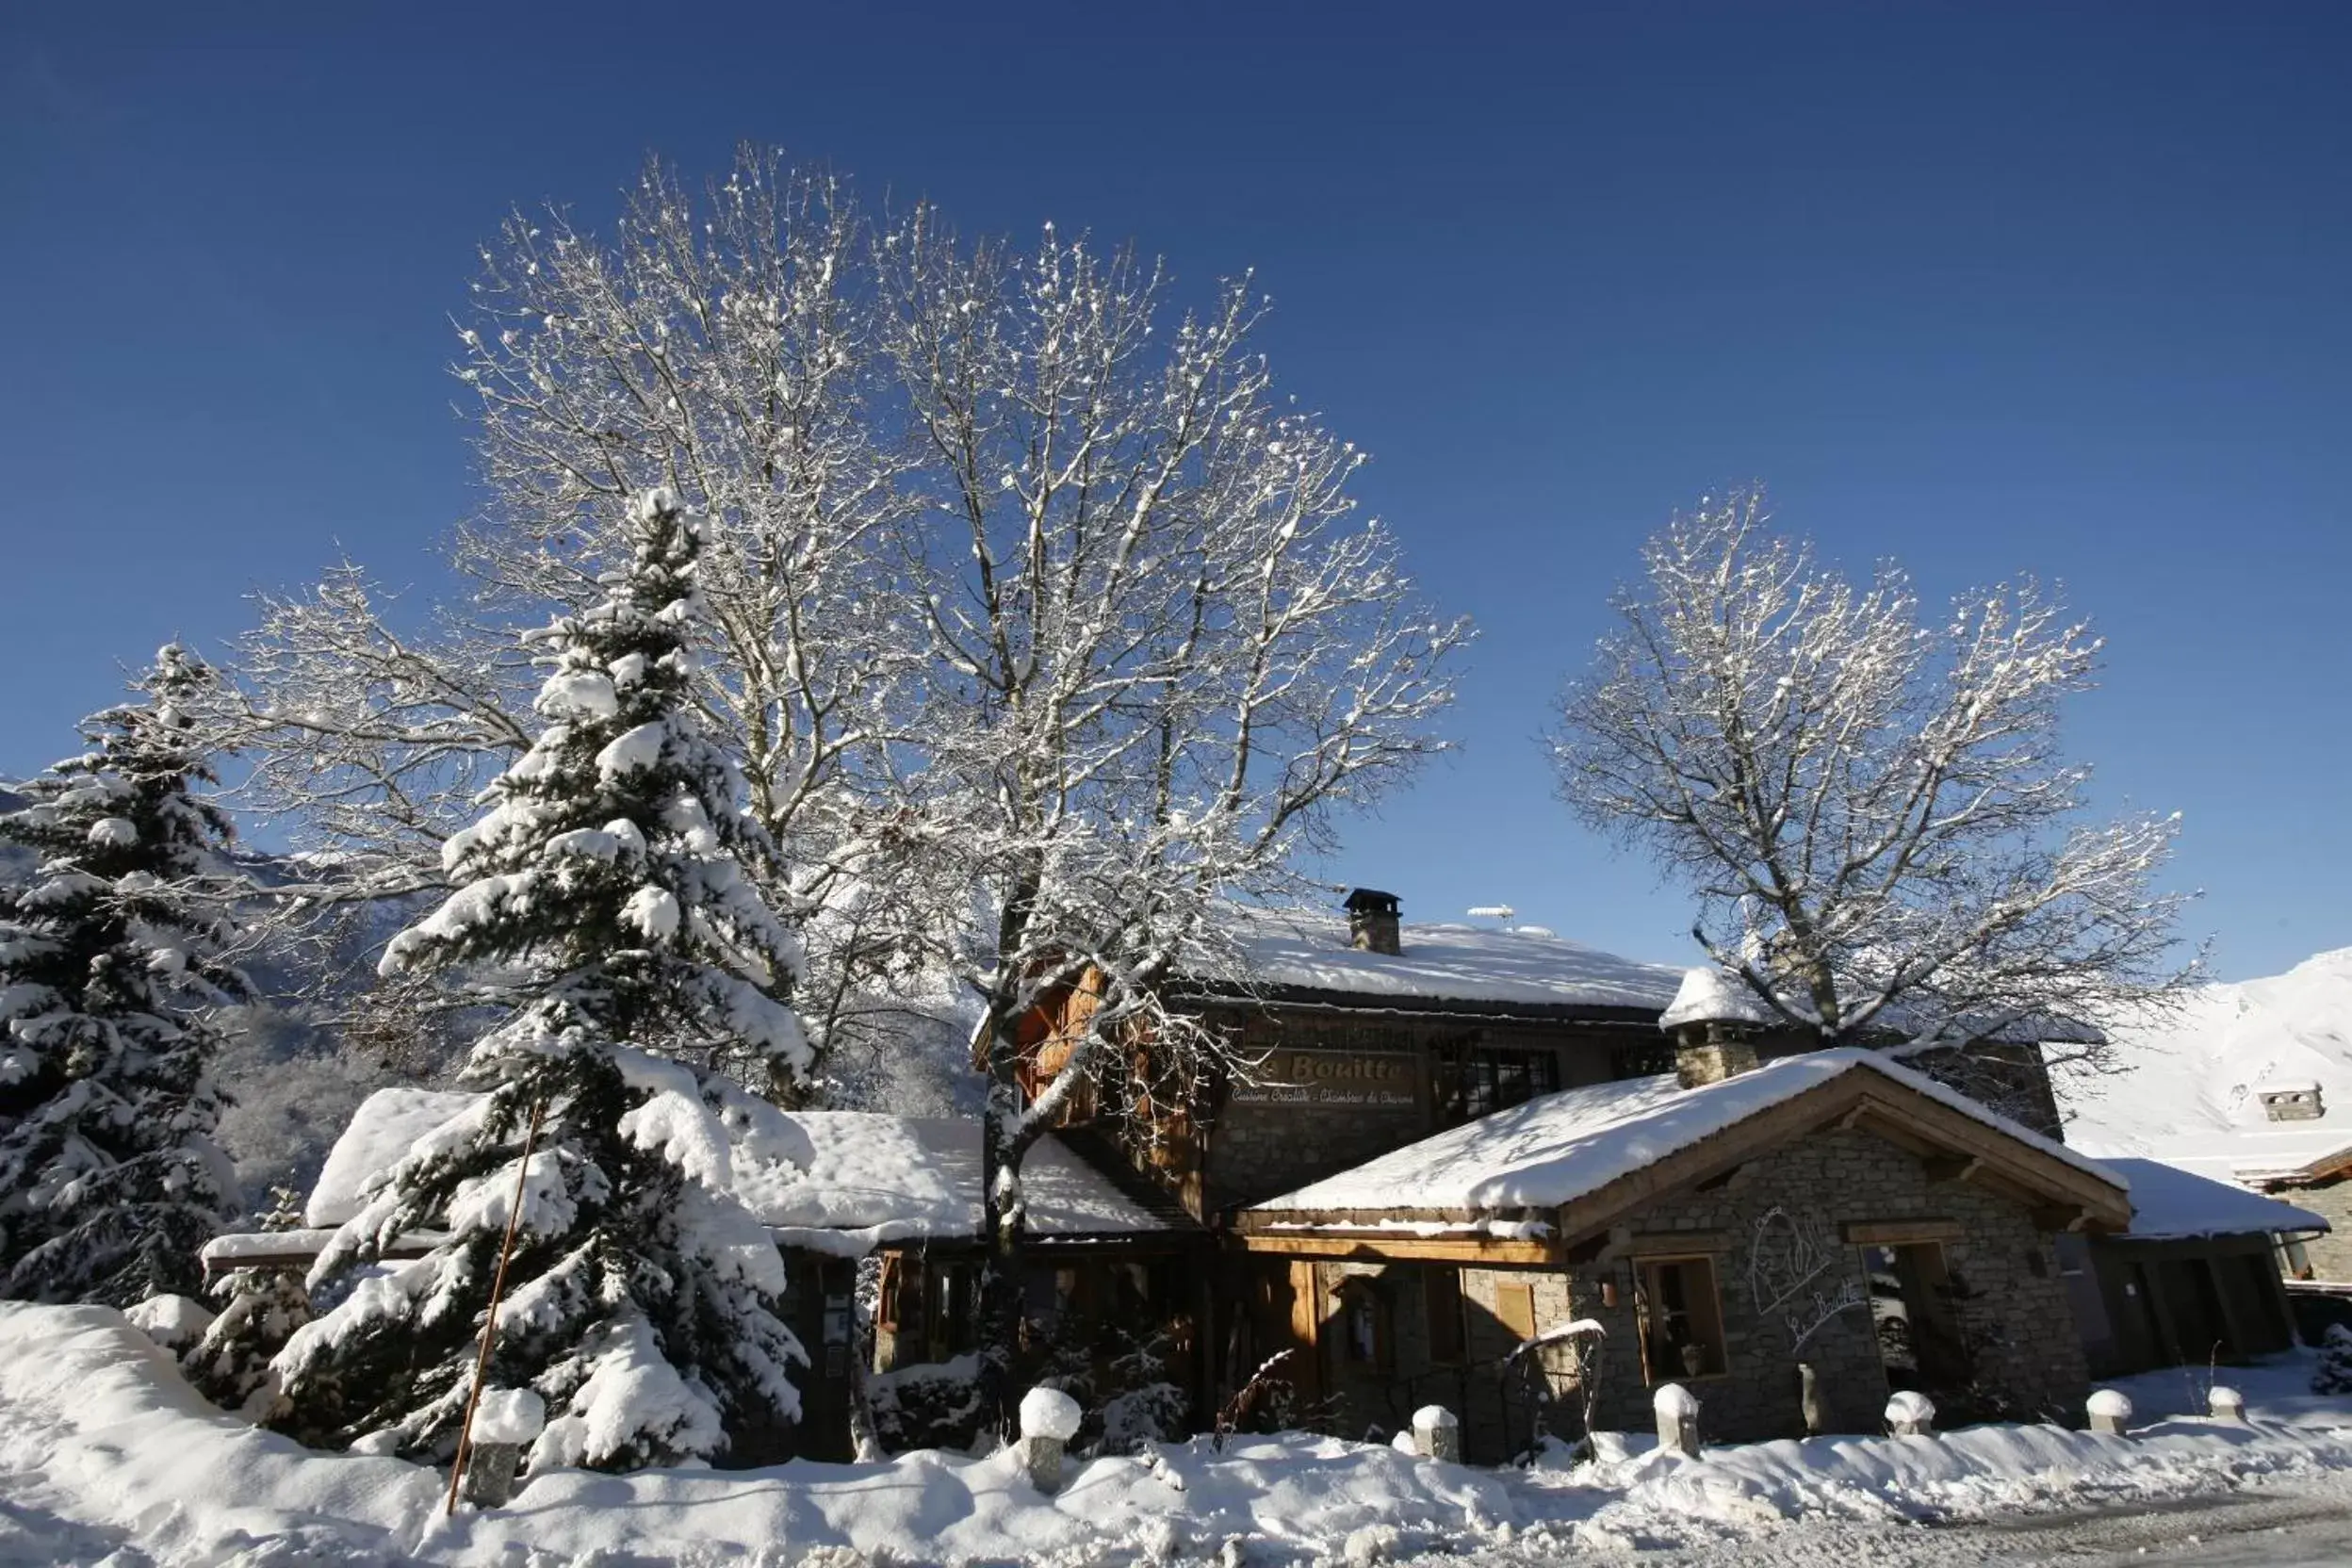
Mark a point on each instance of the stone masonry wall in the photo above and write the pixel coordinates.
(2011, 1310)
(2330, 1254)
(2013, 1313)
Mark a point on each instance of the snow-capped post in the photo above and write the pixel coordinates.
(1910, 1414)
(1809, 1398)
(1048, 1419)
(505, 1422)
(1437, 1434)
(2224, 1403)
(2110, 1413)
(1677, 1412)
(490, 1322)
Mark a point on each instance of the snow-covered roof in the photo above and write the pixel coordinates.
(2172, 1204)
(2191, 1091)
(846, 1181)
(1557, 1148)
(1709, 995)
(1444, 962)
(894, 1178)
(380, 1133)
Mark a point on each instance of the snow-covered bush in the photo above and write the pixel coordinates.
(603, 898)
(2334, 1373)
(927, 1405)
(111, 963)
(173, 1322)
(1157, 1413)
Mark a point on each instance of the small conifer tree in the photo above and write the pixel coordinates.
(603, 898)
(264, 1305)
(2334, 1373)
(111, 961)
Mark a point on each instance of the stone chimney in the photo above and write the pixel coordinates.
(2292, 1101)
(1373, 917)
(1713, 1021)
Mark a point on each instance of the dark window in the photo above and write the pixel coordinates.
(1911, 1310)
(1682, 1320)
(1441, 1301)
(1363, 1324)
(1476, 1081)
(1645, 1060)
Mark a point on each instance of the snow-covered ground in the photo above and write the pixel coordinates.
(2193, 1096)
(106, 1455)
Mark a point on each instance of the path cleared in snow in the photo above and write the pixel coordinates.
(106, 1455)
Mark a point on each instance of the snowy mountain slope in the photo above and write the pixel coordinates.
(2190, 1097)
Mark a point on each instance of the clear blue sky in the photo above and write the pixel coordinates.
(1985, 288)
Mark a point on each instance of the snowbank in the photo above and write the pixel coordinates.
(103, 1445)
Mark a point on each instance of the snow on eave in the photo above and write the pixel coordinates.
(1557, 1148)
(2172, 1204)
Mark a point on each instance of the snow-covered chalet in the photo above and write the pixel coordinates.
(1484, 1168)
(1464, 1143)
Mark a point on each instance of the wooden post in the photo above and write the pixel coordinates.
(490, 1318)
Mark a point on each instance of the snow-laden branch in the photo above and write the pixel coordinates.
(1874, 811)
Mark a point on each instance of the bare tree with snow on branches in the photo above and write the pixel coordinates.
(717, 343)
(1873, 809)
(1161, 649)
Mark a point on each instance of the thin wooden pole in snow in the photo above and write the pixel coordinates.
(490, 1319)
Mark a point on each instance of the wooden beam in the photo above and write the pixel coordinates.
(1958, 1167)
(2062, 1217)
(1669, 1244)
(1402, 1249)
(1901, 1233)
(1306, 1328)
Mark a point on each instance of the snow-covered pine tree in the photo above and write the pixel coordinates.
(263, 1305)
(111, 960)
(2333, 1375)
(603, 896)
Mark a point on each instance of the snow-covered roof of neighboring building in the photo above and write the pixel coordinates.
(380, 1133)
(834, 1180)
(1557, 1148)
(1707, 995)
(895, 1177)
(1445, 962)
(2172, 1204)
(2190, 1094)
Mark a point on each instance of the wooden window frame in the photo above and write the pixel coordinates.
(1647, 1294)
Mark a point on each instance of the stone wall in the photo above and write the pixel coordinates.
(2012, 1308)
(2332, 1254)
(1336, 1089)
(2010, 1303)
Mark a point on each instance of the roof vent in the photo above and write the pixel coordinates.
(1373, 917)
(2292, 1101)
